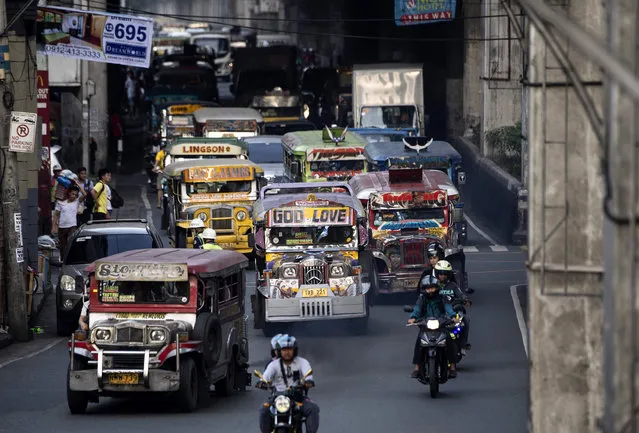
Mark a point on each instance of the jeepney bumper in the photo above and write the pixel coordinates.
(308, 309)
(158, 381)
(398, 283)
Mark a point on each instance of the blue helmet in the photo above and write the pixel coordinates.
(274, 341)
(287, 341)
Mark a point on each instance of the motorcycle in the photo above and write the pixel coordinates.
(433, 370)
(286, 406)
(459, 306)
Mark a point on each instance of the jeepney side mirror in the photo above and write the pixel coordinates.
(461, 177)
(295, 168)
(458, 213)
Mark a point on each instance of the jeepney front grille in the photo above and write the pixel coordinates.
(130, 335)
(316, 308)
(314, 272)
(127, 361)
(413, 253)
(222, 219)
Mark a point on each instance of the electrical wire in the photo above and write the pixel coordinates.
(296, 32)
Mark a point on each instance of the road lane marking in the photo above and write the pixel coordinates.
(147, 205)
(498, 248)
(523, 329)
(480, 231)
(32, 354)
(470, 249)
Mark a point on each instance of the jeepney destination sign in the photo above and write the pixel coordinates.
(213, 174)
(105, 271)
(205, 149)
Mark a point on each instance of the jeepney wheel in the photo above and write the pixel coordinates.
(187, 396)
(77, 400)
(208, 330)
(224, 387)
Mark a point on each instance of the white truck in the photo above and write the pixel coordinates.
(389, 96)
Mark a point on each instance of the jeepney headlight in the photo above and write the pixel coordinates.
(102, 334)
(282, 403)
(67, 283)
(307, 111)
(241, 215)
(338, 270)
(157, 335)
(289, 272)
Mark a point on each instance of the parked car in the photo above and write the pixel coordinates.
(92, 241)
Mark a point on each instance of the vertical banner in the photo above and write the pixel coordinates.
(44, 174)
(95, 36)
(413, 12)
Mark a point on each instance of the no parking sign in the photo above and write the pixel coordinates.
(22, 135)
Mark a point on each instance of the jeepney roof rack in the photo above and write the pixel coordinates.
(118, 220)
(417, 143)
(406, 175)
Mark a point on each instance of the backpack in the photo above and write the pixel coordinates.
(116, 200)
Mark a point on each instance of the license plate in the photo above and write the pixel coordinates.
(411, 283)
(314, 293)
(124, 378)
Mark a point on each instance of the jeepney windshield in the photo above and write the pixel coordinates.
(180, 120)
(397, 116)
(396, 215)
(315, 236)
(218, 187)
(266, 153)
(143, 292)
(341, 165)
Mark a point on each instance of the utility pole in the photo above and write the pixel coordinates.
(12, 224)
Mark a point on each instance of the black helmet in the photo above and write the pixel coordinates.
(434, 249)
(428, 282)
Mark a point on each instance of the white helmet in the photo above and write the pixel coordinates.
(209, 234)
(274, 341)
(196, 224)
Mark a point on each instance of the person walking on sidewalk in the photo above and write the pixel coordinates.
(86, 201)
(100, 194)
(158, 168)
(65, 218)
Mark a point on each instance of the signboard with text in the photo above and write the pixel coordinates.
(95, 36)
(22, 134)
(327, 216)
(413, 12)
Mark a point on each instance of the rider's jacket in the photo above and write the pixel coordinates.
(435, 307)
(451, 289)
(283, 376)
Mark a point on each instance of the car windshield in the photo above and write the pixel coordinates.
(400, 116)
(143, 292)
(397, 215)
(323, 235)
(337, 166)
(215, 187)
(266, 153)
(87, 249)
(220, 45)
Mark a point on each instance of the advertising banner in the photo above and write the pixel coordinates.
(95, 36)
(413, 12)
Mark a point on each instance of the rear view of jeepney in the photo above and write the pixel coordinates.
(308, 259)
(334, 154)
(221, 193)
(156, 325)
(408, 210)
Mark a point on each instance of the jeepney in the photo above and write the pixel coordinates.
(419, 153)
(177, 120)
(220, 192)
(228, 122)
(408, 209)
(323, 155)
(308, 250)
(161, 321)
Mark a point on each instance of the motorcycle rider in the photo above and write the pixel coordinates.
(450, 290)
(158, 168)
(281, 373)
(435, 253)
(197, 226)
(430, 303)
(208, 236)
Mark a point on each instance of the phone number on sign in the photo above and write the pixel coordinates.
(75, 52)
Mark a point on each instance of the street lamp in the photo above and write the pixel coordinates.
(89, 93)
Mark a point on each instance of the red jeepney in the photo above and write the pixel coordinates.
(161, 320)
(407, 210)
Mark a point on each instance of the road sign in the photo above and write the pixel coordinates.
(23, 134)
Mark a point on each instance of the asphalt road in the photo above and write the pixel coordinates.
(363, 382)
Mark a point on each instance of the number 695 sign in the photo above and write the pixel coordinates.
(115, 38)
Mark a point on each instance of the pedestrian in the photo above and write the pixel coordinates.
(131, 89)
(86, 201)
(100, 194)
(56, 173)
(65, 218)
(158, 168)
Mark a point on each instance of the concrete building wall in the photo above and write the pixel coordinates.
(566, 192)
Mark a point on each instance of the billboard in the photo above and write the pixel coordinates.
(413, 12)
(95, 36)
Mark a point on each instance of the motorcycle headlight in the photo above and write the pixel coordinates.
(102, 334)
(432, 324)
(241, 215)
(282, 404)
(67, 283)
(338, 271)
(289, 272)
(307, 111)
(157, 335)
